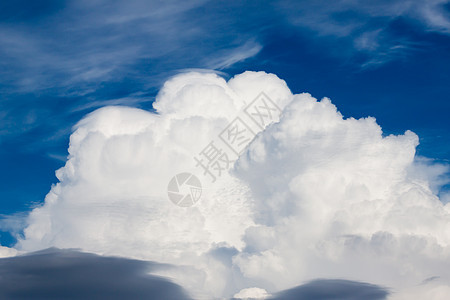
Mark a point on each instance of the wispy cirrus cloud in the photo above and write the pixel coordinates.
(82, 52)
(249, 49)
(67, 58)
(368, 26)
(86, 43)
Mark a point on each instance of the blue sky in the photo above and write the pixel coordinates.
(60, 60)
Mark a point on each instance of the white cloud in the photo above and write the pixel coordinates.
(247, 50)
(252, 293)
(433, 289)
(435, 16)
(341, 203)
(314, 196)
(7, 252)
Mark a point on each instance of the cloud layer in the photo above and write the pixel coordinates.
(69, 274)
(315, 195)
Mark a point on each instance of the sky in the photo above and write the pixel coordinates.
(70, 68)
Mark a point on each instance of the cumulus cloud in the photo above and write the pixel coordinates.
(314, 195)
(339, 191)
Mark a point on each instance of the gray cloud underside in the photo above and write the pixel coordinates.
(69, 274)
(334, 289)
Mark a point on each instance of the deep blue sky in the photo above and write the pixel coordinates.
(62, 59)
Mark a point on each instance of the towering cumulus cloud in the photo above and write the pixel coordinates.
(313, 195)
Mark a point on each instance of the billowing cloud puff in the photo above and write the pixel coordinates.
(314, 195)
(7, 252)
(334, 199)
